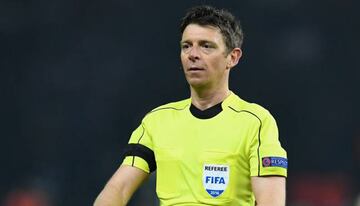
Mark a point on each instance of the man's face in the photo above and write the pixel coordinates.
(203, 56)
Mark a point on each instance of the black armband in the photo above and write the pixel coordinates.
(142, 151)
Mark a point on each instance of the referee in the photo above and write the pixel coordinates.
(213, 148)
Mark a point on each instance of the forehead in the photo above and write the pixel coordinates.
(195, 32)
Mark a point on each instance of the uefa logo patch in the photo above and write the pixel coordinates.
(215, 178)
(275, 162)
(266, 161)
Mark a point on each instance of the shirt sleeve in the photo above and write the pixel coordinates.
(267, 157)
(139, 152)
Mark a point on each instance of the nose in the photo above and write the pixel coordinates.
(194, 54)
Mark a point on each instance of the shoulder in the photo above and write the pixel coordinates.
(169, 108)
(241, 106)
(177, 106)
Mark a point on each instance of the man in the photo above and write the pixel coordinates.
(213, 148)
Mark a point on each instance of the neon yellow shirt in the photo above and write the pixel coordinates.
(207, 161)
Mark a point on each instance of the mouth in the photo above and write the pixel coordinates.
(195, 69)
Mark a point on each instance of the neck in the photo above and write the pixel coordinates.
(204, 99)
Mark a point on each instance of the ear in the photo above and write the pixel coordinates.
(234, 57)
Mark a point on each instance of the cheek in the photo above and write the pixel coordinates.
(218, 64)
(183, 59)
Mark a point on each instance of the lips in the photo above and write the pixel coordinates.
(195, 69)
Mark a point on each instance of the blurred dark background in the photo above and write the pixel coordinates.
(78, 76)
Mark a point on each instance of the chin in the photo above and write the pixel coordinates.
(196, 83)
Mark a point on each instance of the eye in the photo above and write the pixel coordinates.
(207, 46)
(185, 47)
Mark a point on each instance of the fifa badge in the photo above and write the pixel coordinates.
(215, 178)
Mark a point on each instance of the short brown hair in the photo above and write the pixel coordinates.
(205, 15)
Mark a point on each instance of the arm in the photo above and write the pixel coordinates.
(121, 186)
(269, 191)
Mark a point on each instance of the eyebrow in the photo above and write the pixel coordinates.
(200, 42)
(186, 41)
